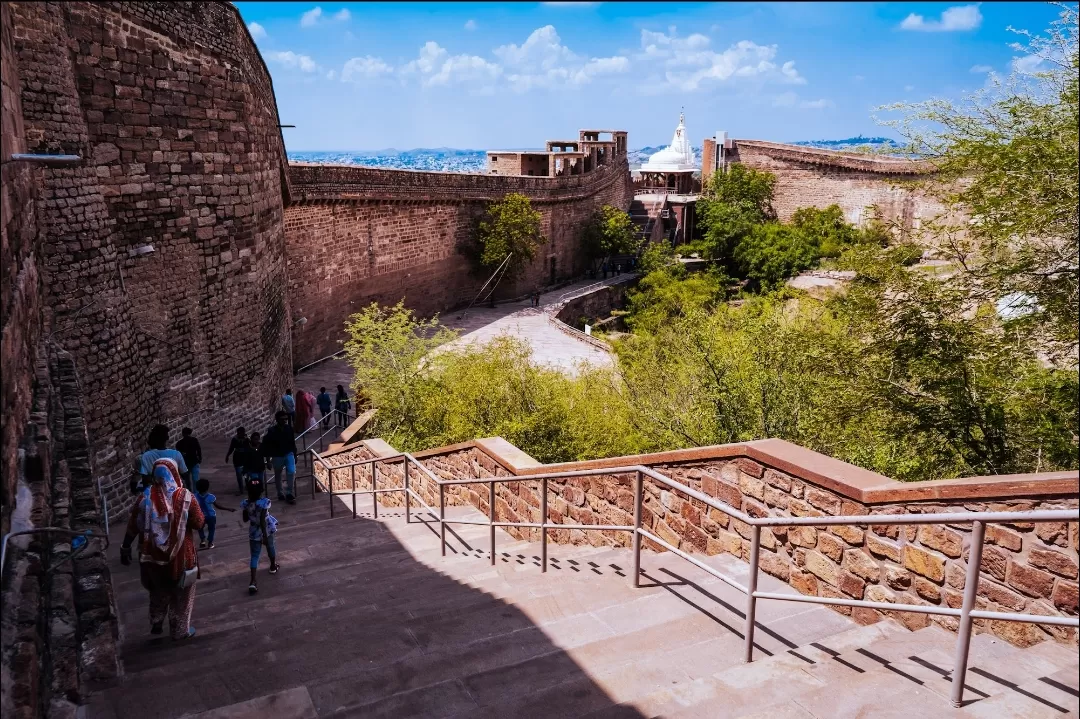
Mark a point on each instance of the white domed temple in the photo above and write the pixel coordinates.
(672, 168)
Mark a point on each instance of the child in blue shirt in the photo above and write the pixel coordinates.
(209, 506)
(262, 526)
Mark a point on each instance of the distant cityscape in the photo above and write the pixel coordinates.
(446, 159)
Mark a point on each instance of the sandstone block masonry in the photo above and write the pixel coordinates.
(1025, 567)
(359, 235)
(809, 177)
(162, 253)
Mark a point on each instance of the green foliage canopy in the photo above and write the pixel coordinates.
(510, 227)
(610, 231)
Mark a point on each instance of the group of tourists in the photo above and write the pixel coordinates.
(173, 502)
(302, 406)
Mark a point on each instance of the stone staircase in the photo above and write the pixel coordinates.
(366, 618)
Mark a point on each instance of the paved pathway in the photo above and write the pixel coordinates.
(550, 345)
(479, 325)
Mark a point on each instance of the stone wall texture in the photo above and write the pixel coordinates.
(20, 272)
(361, 235)
(807, 177)
(173, 112)
(1026, 567)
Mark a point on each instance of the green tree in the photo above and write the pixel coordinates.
(386, 348)
(953, 369)
(826, 229)
(609, 231)
(732, 203)
(772, 252)
(511, 228)
(670, 291)
(1006, 159)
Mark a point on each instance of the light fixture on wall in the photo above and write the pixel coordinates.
(140, 251)
(302, 321)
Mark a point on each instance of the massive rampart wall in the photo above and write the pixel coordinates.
(806, 177)
(360, 235)
(173, 112)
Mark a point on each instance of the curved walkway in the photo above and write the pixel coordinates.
(550, 345)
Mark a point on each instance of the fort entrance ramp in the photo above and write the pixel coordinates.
(367, 618)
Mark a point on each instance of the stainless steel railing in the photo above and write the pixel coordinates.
(966, 613)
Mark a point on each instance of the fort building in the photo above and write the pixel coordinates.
(163, 262)
(561, 158)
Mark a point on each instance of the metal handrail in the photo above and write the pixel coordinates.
(966, 613)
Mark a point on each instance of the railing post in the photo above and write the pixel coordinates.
(963, 635)
(330, 489)
(442, 517)
(311, 466)
(491, 516)
(408, 517)
(638, 490)
(374, 487)
(751, 587)
(543, 524)
(354, 491)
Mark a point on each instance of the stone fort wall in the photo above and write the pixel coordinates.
(360, 235)
(808, 177)
(173, 112)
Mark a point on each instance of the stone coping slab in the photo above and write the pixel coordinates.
(845, 479)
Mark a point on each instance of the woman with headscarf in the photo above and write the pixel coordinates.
(303, 412)
(162, 519)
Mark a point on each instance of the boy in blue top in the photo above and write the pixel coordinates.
(262, 526)
(209, 506)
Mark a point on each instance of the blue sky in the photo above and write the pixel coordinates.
(365, 76)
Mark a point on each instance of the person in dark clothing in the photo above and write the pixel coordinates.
(342, 404)
(279, 445)
(325, 406)
(253, 462)
(190, 448)
(238, 443)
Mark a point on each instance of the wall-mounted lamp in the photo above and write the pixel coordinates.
(140, 251)
(302, 321)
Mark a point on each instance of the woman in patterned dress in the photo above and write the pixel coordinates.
(163, 519)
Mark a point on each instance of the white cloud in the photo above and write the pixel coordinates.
(815, 104)
(960, 17)
(858, 78)
(436, 67)
(689, 64)
(470, 25)
(542, 61)
(981, 68)
(431, 56)
(311, 17)
(908, 88)
(289, 59)
(469, 69)
(330, 75)
(1026, 64)
(258, 32)
(360, 68)
(315, 16)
